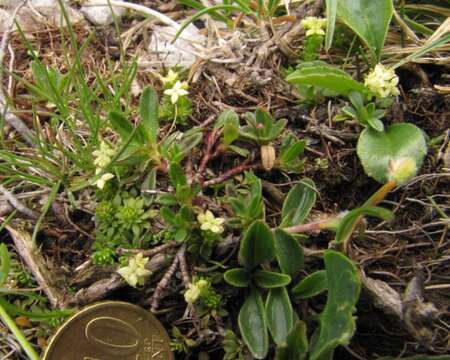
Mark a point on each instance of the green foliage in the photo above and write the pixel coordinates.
(349, 221)
(311, 285)
(253, 326)
(247, 201)
(289, 152)
(298, 203)
(149, 111)
(261, 128)
(270, 280)
(312, 46)
(232, 346)
(257, 245)
(337, 324)
(326, 77)
(369, 19)
(367, 115)
(289, 253)
(104, 257)
(380, 150)
(279, 315)
(296, 347)
(122, 221)
(238, 277)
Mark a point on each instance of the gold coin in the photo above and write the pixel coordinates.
(110, 330)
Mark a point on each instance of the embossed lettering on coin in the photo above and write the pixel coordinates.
(110, 331)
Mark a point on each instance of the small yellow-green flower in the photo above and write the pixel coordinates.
(382, 81)
(403, 169)
(103, 179)
(135, 273)
(193, 293)
(314, 25)
(170, 78)
(211, 223)
(103, 155)
(178, 90)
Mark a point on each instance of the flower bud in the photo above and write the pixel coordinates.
(403, 169)
(267, 156)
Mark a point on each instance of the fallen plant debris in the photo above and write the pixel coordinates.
(270, 179)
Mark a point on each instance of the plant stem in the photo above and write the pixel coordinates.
(26, 346)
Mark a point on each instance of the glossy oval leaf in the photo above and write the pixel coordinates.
(289, 253)
(369, 19)
(311, 285)
(279, 315)
(237, 277)
(326, 77)
(377, 150)
(337, 324)
(257, 246)
(349, 221)
(270, 279)
(296, 347)
(298, 203)
(252, 324)
(149, 110)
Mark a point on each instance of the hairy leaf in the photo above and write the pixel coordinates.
(377, 150)
(311, 285)
(149, 109)
(296, 347)
(257, 246)
(252, 324)
(237, 277)
(289, 253)
(279, 314)
(337, 324)
(369, 19)
(327, 77)
(298, 203)
(270, 279)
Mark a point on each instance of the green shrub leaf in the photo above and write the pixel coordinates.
(337, 324)
(298, 203)
(311, 285)
(149, 109)
(252, 324)
(5, 264)
(378, 150)
(279, 315)
(257, 246)
(237, 277)
(369, 19)
(289, 253)
(296, 347)
(326, 77)
(270, 280)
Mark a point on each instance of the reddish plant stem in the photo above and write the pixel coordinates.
(227, 174)
(210, 142)
(184, 267)
(302, 228)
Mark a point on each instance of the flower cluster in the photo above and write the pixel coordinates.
(195, 290)
(382, 81)
(102, 159)
(210, 223)
(314, 25)
(402, 169)
(135, 273)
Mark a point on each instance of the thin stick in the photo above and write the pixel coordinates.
(10, 118)
(18, 204)
(163, 284)
(227, 174)
(184, 267)
(150, 252)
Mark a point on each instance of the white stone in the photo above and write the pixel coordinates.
(180, 53)
(101, 15)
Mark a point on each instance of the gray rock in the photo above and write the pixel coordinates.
(101, 15)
